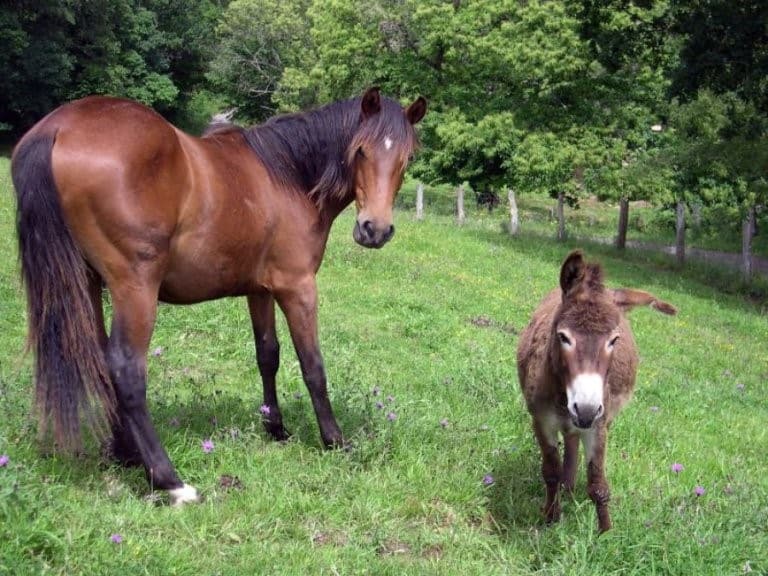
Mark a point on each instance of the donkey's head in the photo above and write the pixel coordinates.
(380, 151)
(587, 331)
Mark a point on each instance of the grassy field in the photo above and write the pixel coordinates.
(431, 323)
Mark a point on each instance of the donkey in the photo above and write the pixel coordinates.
(577, 362)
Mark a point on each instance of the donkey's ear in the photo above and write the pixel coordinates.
(628, 298)
(572, 272)
(371, 102)
(415, 112)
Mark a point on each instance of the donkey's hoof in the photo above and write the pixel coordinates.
(185, 494)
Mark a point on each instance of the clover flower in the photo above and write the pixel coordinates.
(208, 446)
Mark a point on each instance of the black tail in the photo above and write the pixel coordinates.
(70, 367)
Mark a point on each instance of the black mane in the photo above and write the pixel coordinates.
(314, 152)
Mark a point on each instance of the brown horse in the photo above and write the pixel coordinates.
(109, 193)
(577, 362)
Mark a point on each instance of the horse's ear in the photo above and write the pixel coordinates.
(371, 102)
(415, 112)
(572, 271)
(628, 298)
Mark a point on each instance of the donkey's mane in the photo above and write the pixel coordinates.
(314, 151)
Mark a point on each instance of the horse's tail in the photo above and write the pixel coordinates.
(70, 367)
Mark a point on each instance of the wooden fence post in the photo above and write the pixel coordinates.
(747, 234)
(514, 218)
(621, 236)
(420, 202)
(680, 233)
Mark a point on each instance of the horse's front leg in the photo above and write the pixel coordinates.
(597, 485)
(299, 304)
(261, 305)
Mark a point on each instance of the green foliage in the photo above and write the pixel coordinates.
(140, 49)
(258, 40)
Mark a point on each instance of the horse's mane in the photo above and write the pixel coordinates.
(314, 151)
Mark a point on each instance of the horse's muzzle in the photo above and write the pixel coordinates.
(370, 236)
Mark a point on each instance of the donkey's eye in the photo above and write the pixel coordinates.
(360, 153)
(564, 340)
(612, 342)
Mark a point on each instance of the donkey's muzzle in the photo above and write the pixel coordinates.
(371, 236)
(584, 415)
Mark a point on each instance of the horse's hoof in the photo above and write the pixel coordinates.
(277, 432)
(185, 494)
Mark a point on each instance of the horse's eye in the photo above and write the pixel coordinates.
(564, 340)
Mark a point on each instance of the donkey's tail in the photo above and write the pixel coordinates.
(70, 368)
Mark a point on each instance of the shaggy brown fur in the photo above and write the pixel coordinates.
(579, 329)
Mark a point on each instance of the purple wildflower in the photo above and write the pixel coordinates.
(264, 409)
(379, 405)
(391, 416)
(4, 460)
(208, 446)
(677, 468)
(444, 422)
(376, 391)
(157, 351)
(390, 398)
(116, 538)
(488, 480)
(699, 491)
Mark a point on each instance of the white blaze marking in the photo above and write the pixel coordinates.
(183, 495)
(585, 390)
(387, 143)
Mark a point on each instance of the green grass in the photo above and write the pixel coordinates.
(409, 498)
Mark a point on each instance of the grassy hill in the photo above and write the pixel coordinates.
(427, 327)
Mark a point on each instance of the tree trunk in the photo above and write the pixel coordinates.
(514, 218)
(621, 237)
(460, 205)
(420, 202)
(561, 216)
(747, 233)
(680, 233)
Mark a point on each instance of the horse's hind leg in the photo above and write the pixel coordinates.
(120, 446)
(132, 323)
(262, 309)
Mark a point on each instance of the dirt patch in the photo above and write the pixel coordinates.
(393, 547)
(230, 482)
(484, 321)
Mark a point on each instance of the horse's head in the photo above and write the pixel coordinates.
(379, 154)
(590, 334)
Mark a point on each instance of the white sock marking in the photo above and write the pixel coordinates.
(183, 495)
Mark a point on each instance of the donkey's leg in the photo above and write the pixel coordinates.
(597, 485)
(570, 462)
(262, 309)
(132, 323)
(551, 469)
(299, 304)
